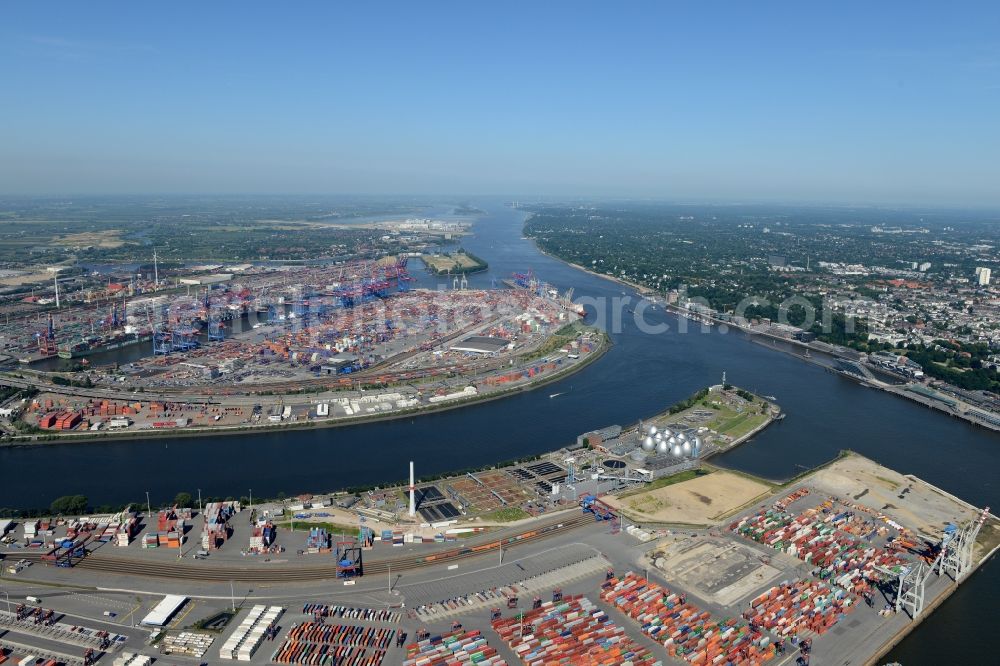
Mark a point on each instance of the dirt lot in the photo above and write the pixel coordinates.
(107, 239)
(700, 501)
(921, 508)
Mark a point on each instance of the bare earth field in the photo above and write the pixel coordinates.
(107, 239)
(866, 482)
(700, 501)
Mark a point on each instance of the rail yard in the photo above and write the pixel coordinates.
(625, 547)
(824, 569)
(292, 346)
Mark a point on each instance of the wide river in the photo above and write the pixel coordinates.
(640, 375)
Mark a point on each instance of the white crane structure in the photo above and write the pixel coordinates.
(911, 582)
(957, 548)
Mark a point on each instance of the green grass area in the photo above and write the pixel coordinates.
(559, 339)
(454, 262)
(506, 514)
(989, 538)
(728, 424)
(665, 481)
(743, 424)
(733, 423)
(746, 475)
(214, 624)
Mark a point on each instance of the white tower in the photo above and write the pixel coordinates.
(413, 498)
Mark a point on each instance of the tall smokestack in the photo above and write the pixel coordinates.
(413, 498)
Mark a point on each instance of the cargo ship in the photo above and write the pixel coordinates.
(95, 345)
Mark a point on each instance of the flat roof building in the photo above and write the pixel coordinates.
(481, 344)
(202, 280)
(164, 610)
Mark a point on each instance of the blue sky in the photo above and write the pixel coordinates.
(856, 102)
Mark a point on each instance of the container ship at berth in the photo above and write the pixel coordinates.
(528, 282)
(97, 344)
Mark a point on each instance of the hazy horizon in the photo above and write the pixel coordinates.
(782, 104)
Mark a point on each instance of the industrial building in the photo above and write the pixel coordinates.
(202, 280)
(480, 344)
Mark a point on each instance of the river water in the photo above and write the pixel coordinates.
(640, 375)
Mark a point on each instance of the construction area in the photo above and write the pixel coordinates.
(702, 500)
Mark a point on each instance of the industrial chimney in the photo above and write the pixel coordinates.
(413, 499)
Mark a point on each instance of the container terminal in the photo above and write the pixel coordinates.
(560, 556)
(357, 348)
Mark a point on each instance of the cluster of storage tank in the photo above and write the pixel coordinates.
(666, 441)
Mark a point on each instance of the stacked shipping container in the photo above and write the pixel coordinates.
(685, 630)
(573, 631)
(458, 647)
(796, 607)
(817, 538)
(337, 644)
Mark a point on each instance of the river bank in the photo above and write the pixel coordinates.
(967, 414)
(204, 431)
(638, 376)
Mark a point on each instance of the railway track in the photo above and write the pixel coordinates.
(378, 374)
(195, 572)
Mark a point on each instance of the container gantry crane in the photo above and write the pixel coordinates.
(957, 548)
(911, 581)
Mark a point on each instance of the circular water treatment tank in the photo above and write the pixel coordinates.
(648, 444)
(637, 456)
(613, 464)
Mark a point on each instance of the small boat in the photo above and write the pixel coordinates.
(554, 395)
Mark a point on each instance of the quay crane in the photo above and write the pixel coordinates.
(957, 546)
(911, 581)
(955, 557)
(47, 340)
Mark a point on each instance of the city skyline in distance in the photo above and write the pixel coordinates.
(894, 105)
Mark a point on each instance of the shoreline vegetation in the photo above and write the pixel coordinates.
(670, 410)
(670, 307)
(459, 262)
